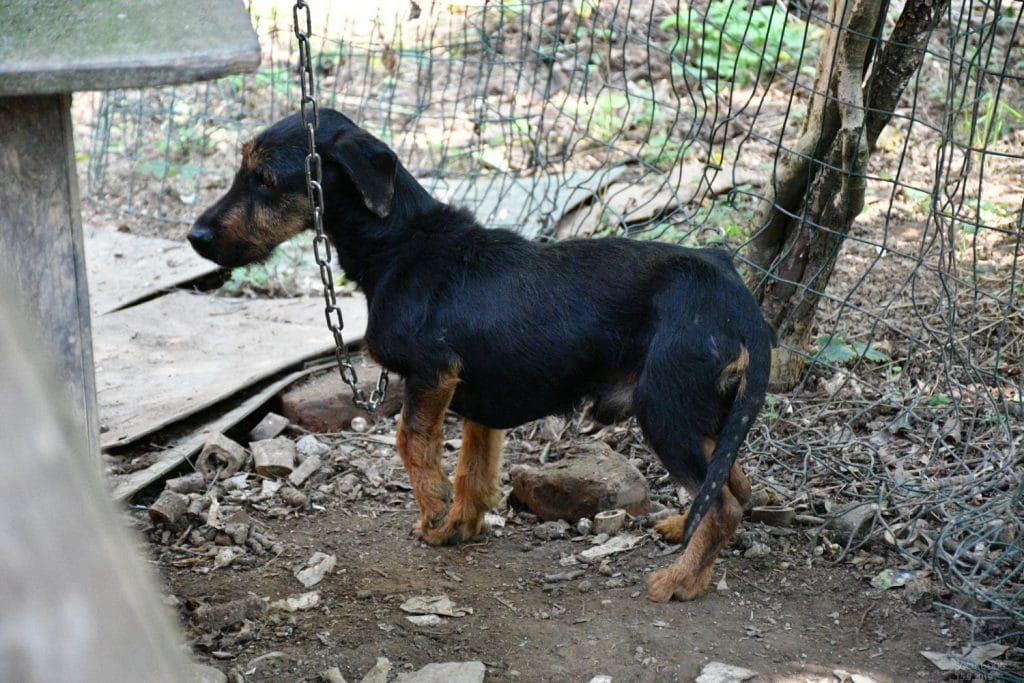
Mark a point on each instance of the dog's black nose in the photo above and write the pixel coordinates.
(201, 238)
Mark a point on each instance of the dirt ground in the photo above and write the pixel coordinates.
(792, 614)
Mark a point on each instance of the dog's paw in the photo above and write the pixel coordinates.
(666, 584)
(671, 528)
(661, 584)
(455, 530)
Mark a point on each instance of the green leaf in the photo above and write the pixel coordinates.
(866, 352)
(834, 350)
(939, 400)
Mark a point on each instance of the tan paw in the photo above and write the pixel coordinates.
(665, 584)
(455, 530)
(661, 585)
(671, 528)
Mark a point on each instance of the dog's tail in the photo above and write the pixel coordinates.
(746, 378)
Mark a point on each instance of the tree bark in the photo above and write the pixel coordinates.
(819, 183)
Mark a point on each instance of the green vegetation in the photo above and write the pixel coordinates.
(285, 273)
(837, 350)
(991, 121)
(734, 43)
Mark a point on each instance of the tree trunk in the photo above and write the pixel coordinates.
(820, 182)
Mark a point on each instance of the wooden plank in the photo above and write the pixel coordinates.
(41, 242)
(78, 601)
(125, 269)
(178, 450)
(62, 47)
(166, 359)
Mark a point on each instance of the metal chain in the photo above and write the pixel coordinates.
(321, 246)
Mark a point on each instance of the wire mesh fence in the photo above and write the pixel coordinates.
(878, 212)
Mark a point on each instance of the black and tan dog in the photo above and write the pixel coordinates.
(502, 330)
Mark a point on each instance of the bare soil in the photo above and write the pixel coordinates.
(793, 614)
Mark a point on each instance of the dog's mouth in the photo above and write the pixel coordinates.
(205, 243)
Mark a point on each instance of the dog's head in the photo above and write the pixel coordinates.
(268, 203)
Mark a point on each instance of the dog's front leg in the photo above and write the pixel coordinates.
(419, 444)
(477, 485)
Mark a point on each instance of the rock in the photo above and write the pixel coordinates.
(324, 404)
(379, 673)
(920, 592)
(855, 520)
(584, 527)
(550, 531)
(273, 457)
(305, 470)
(270, 426)
(439, 605)
(296, 603)
(225, 556)
(309, 445)
(318, 566)
(717, 672)
(226, 615)
(220, 452)
(590, 479)
(565, 576)
(758, 550)
(448, 672)
(332, 675)
(293, 497)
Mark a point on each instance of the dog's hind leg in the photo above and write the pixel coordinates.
(477, 485)
(690, 575)
(680, 409)
(419, 445)
(671, 528)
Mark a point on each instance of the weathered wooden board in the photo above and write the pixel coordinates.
(124, 268)
(171, 357)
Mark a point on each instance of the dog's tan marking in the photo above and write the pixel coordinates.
(253, 158)
(733, 378)
(477, 484)
(272, 225)
(419, 445)
(233, 228)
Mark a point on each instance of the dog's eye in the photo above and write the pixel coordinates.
(264, 180)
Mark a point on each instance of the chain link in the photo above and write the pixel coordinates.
(321, 246)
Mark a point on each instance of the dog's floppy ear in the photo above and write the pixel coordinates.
(370, 165)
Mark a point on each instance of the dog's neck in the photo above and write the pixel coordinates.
(366, 246)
